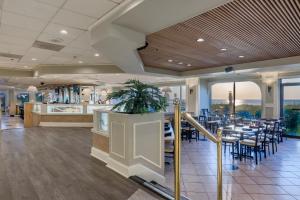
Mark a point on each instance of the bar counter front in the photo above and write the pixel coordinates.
(60, 115)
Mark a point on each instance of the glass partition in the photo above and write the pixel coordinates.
(37, 108)
(65, 109)
(103, 121)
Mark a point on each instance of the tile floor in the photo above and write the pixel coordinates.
(274, 178)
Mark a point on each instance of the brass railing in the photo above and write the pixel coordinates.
(203, 131)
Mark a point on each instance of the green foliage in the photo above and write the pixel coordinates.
(292, 118)
(244, 110)
(138, 98)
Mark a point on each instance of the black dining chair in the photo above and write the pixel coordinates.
(273, 135)
(229, 140)
(247, 146)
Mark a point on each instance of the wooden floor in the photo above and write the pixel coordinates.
(7, 122)
(54, 163)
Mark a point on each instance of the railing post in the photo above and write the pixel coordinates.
(219, 161)
(177, 124)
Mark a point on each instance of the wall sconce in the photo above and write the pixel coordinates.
(269, 88)
(191, 91)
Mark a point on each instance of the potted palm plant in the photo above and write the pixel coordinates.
(136, 131)
(138, 98)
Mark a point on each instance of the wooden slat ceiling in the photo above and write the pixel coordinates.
(256, 29)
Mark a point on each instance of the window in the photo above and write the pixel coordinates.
(172, 92)
(290, 105)
(247, 99)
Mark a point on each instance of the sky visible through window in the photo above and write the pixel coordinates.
(244, 90)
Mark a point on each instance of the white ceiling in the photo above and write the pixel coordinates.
(24, 21)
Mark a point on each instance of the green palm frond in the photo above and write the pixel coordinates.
(138, 97)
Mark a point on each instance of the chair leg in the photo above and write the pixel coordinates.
(241, 152)
(259, 153)
(255, 152)
(265, 150)
(238, 148)
(273, 147)
(232, 151)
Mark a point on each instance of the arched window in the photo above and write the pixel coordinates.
(247, 99)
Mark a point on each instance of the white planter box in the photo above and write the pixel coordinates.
(136, 145)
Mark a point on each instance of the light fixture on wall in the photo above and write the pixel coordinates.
(269, 88)
(269, 82)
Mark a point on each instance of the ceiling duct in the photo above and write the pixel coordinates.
(48, 46)
(11, 56)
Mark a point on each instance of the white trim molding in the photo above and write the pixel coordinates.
(136, 155)
(66, 124)
(100, 155)
(111, 141)
(138, 169)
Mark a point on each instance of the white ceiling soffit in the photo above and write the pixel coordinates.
(118, 34)
(119, 43)
(59, 22)
(154, 15)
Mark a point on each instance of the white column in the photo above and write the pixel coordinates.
(192, 95)
(12, 101)
(270, 95)
(197, 95)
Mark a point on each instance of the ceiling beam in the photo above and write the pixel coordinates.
(16, 73)
(68, 69)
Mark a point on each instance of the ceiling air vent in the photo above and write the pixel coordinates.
(11, 56)
(48, 46)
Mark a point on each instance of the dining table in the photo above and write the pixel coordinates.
(243, 132)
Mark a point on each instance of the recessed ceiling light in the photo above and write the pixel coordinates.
(241, 56)
(34, 59)
(189, 65)
(64, 32)
(180, 63)
(97, 54)
(80, 61)
(200, 40)
(170, 60)
(223, 49)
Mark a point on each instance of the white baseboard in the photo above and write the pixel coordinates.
(66, 124)
(138, 169)
(118, 167)
(100, 155)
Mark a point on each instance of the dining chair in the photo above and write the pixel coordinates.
(265, 141)
(273, 135)
(227, 139)
(169, 141)
(247, 146)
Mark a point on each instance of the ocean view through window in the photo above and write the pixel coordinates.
(247, 102)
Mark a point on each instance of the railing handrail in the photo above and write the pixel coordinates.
(216, 139)
(200, 128)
